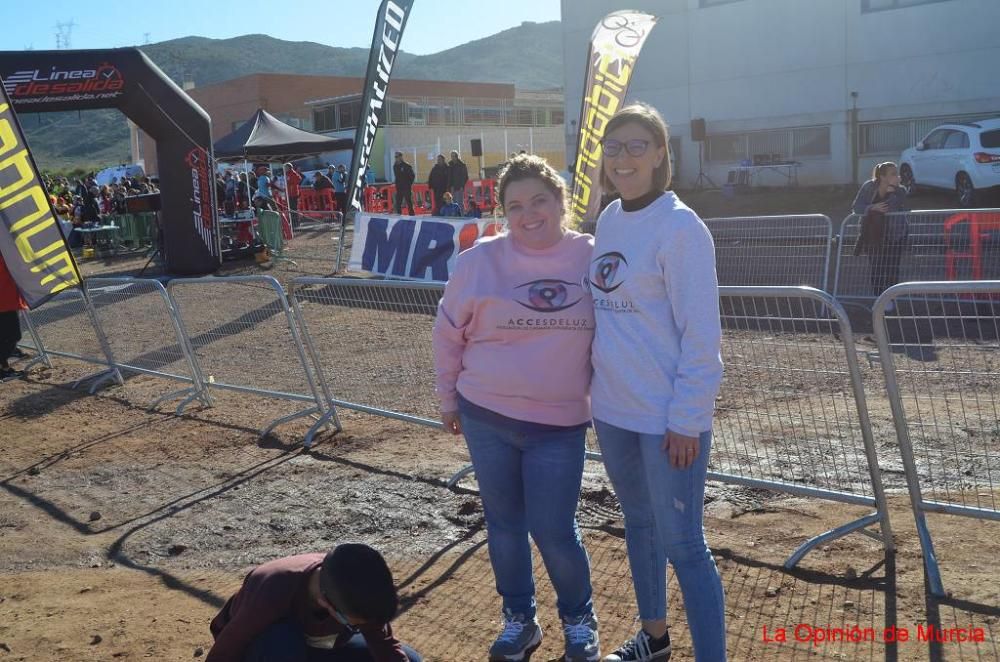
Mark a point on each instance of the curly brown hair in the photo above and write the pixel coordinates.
(529, 166)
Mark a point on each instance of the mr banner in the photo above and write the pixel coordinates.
(414, 247)
(31, 242)
(614, 48)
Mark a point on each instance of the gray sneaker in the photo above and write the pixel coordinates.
(519, 639)
(582, 642)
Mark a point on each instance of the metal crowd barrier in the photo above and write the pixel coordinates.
(67, 326)
(791, 414)
(243, 338)
(939, 345)
(943, 245)
(388, 371)
(772, 250)
(145, 336)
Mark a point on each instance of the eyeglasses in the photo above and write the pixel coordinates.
(636, 147)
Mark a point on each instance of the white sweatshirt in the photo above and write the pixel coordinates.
(656, 352)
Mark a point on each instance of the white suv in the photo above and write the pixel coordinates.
(962, 157)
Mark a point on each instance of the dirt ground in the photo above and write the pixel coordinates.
(122, 530)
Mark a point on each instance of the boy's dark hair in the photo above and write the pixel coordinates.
(361, 581)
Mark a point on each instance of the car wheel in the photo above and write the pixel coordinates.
(965, 190)
(906, 176)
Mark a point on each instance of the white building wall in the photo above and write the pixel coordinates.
(750, 65)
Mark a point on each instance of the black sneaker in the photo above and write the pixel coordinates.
(18, 353)
(642, 648)
(7, 373)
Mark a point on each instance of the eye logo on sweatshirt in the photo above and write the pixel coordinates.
(548, 295)
(609, 271)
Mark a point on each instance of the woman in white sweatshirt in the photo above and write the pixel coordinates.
(657, 370)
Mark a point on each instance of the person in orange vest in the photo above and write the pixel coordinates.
(293, 180)
(10, 324)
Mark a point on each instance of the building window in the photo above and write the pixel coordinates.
(771, 145)
(324, 119)
(557, 117)
(441, 111)
(727, 147)
(893, 136)
(488, 112)
(811, 141)
(868, 6)
(397, 112)
(349, 114)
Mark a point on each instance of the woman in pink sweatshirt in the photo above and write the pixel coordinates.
(512, 355)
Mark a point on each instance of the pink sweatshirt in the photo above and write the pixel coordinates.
(514, 328)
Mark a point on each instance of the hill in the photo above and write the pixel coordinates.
(61, 141)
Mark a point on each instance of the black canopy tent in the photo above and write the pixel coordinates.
(266, 138)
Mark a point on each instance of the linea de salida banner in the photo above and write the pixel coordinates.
(31, 241)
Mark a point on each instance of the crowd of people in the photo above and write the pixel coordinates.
(85, 203)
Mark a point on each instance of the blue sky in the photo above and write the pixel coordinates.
(433, 26)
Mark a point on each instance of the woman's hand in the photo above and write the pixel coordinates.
(451, 422)
(681, 449)
(882, 207)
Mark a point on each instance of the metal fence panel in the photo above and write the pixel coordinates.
(791, 413)
(772, 250)
(939, 345)
(243, 336)
(948, 244)
(143, 331)
(372, 343)
(66, 328)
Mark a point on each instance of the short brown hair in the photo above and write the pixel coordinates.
(650, 119)
(529, 166)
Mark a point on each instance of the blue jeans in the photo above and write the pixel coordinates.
(284, 642)
(529, 482)
(663, 509)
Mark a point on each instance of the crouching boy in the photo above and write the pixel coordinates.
(313, 608)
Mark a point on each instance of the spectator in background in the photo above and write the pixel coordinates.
(262, 198)
(293, 180)
(403, 173)
(243, 191)
(450, 208)
(472, 209)
(322, 181)
(458, 176)
(10, 322)
(340, 187)
(438, 181)
(882, 238)
(230, 182)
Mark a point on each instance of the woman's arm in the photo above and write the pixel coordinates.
(449, 335)
(863, 199)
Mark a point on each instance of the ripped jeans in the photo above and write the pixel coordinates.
(663, 509)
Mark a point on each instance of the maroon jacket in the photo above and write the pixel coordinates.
(279, 590)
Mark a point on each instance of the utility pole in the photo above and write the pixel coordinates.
(64, 32)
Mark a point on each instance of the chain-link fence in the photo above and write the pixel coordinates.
(791, 415)
(243, 338)
(772, 250)
(939, 345)
(957, 244)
